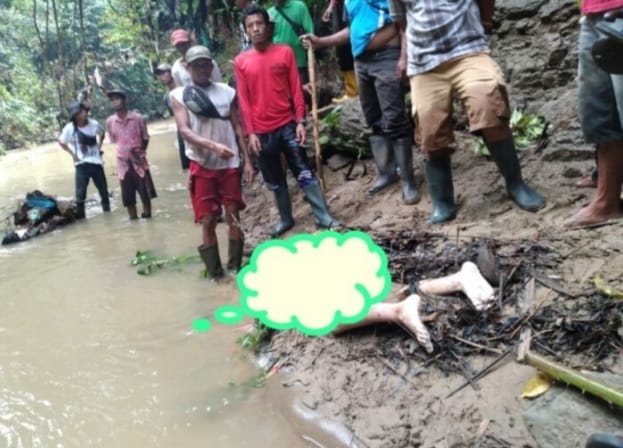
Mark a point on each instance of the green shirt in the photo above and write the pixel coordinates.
(297, 11)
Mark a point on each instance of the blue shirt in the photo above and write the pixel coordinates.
(366, 17)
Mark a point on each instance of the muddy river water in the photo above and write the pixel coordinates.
(94, 355)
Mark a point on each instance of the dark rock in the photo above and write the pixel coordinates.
(566, 417)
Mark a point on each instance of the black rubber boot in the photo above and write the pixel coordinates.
(286, 221)
(385, 162)
(235, 256)
(212, 261)
(106, 207)
(504, 155)
(441, 189)
(403, 151)
(323, 218)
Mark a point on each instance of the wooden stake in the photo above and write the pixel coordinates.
(311, 60)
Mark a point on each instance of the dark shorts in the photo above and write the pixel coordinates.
(212, 189)
(132, 183)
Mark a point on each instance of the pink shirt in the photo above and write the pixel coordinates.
(596, 6)
(130, 137)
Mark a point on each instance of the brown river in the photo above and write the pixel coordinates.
(94, 355)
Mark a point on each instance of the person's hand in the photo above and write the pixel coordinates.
(254, 144)
(223, 151)
(326, 17)
(401, 67)
(308, 40)
(613, 14)
(300, 133)
(248, 172)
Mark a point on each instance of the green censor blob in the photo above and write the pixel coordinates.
(201, 325)
(229, 315)
(313, 283)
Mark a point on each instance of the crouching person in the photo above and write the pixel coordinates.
(207, 117)
(273, 110)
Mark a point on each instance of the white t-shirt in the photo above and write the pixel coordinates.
(182, 77)
(84, 154)
(215, 129)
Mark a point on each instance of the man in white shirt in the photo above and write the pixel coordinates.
(82, 139)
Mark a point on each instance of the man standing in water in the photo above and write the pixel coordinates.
(268, 86)
(82, 139)
(207, 116)
(128, 131)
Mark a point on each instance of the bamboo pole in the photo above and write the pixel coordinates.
(567, 375)
(311, 60)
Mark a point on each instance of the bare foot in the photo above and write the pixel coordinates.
(586, 182)
(592, 215)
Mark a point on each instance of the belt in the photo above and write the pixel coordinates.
(370, 53)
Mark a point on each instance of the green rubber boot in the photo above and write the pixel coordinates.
(504, 155)
(322, 216)
(212, 261)
(284, 206)
(441, 189)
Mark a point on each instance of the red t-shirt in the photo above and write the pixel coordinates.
(268, 88)
(595, 6)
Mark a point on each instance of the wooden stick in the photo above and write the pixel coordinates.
(311, 60)
(567, 375)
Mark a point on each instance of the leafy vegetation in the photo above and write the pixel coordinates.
(148, 263)
(527, 129)
(252, 341)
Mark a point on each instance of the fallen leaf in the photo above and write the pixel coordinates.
(536, 386)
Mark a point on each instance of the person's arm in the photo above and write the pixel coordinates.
(297, 95)
(144, 133)
(247, 166)
(332, 40)
(63, 141)
(244, 105)
(183, 125)
(101, 134)
(486, 8)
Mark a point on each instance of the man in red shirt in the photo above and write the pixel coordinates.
(600, 98)
(268, 86)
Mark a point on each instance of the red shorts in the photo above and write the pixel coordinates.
(211, 189)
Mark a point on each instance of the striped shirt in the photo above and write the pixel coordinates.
(438, 31)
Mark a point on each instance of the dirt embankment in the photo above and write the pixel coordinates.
(377, 381)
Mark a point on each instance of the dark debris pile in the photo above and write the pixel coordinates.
(580, 331)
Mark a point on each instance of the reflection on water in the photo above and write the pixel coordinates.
(92, 354)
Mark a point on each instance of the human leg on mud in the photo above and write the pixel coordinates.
(432, 111)
(208, 251)
(146, 191)
(306, 179)
(204, 196)
(230, 191)
(275, 180)
(481, 86)
(600, 99)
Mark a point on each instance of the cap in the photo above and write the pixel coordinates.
(74, 109)
(116, 92)
(197, 52)
(162, 68)
(179, 36)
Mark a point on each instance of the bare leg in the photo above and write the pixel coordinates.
(468, 280)
(405, 313)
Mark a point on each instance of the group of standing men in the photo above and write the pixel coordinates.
(440, 45)
(82, 139)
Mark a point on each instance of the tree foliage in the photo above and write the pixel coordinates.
(57, 51)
